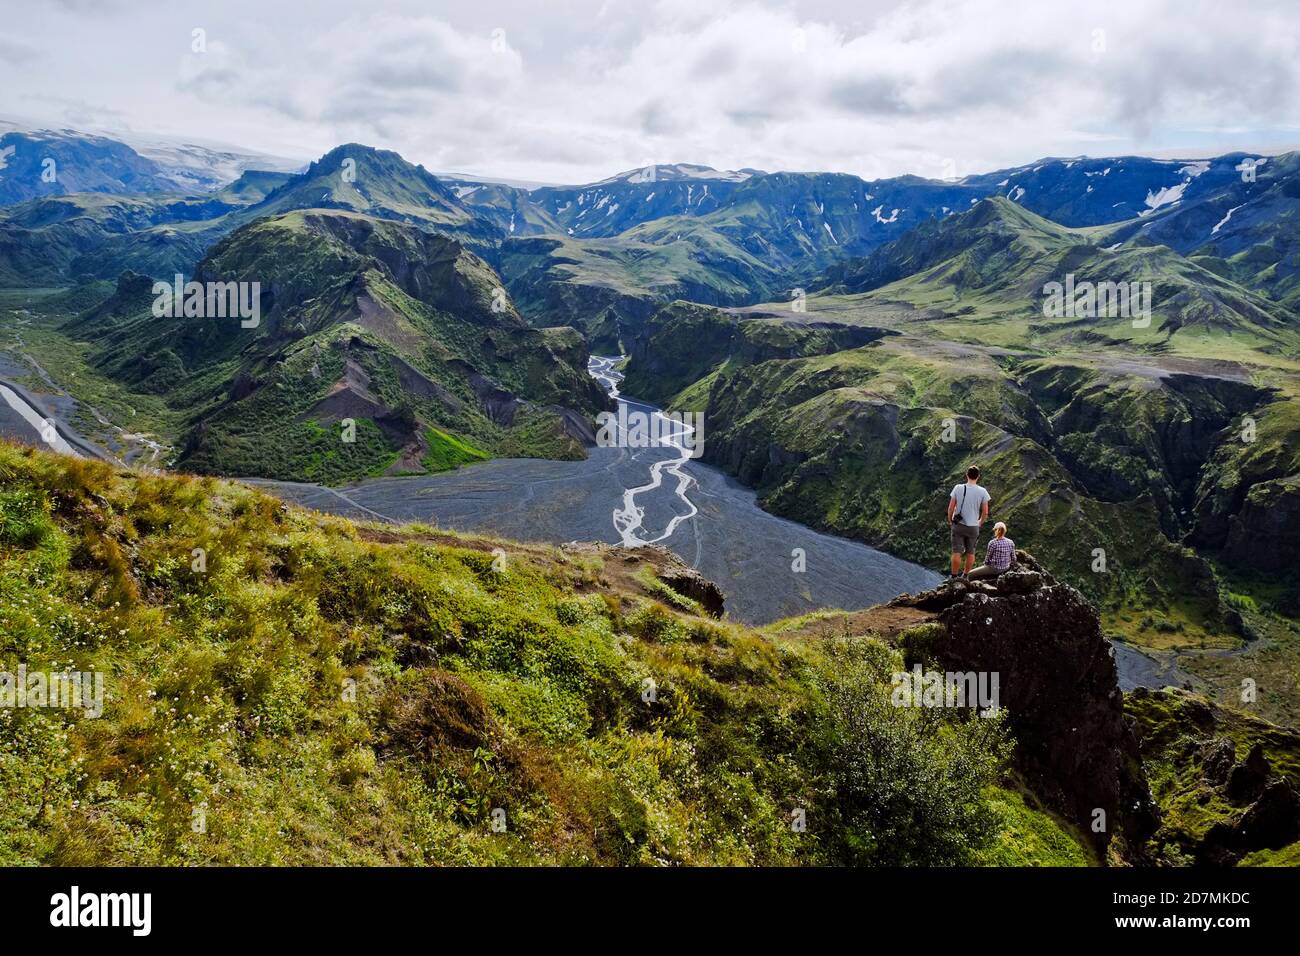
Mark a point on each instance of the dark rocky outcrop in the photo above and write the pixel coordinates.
(1217, 759)
(1270, 822)
(1247, 780)
(1059, 685)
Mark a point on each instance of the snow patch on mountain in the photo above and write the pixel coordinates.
(193, 166)
(1224, 221)
(686, 171)
(1165, 197)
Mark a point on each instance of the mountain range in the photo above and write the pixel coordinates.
(604, 255)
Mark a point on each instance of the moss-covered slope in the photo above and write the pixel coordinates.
(285, 688)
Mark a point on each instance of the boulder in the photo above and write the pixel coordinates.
(1018, 582)
(1217, 758)
(1270, 823)
(1246, 780)
(690, 583)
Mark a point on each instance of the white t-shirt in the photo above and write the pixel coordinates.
(969, 498)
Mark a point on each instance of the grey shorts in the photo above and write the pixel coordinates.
(964, 537)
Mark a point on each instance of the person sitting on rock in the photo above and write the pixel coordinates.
(1000, 556)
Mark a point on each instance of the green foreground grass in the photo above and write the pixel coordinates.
(287, 688)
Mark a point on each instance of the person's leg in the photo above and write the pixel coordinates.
(972, 541)
(983, 571)
(971, 535)
(958, 546)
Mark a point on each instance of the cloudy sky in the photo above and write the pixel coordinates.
(575, 90)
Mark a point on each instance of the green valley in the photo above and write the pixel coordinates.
(1154, 468)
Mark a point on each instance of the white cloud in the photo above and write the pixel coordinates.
(576, 92)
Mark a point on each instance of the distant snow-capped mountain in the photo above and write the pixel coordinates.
(36, 162)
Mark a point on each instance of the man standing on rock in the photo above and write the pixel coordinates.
(968, 508)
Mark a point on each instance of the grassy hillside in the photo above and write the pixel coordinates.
(51, 241)
(285, 688)
(980, 277)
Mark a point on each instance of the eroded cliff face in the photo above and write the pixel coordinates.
(684, 342)
(1263, 534)
(1059, 685)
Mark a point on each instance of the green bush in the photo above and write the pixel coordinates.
(909, 782)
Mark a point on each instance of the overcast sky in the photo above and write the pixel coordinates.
(575, 90)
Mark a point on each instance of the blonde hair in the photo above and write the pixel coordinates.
(1000, 530)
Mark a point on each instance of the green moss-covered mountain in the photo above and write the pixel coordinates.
(379, 347)
(981, 277)
(379, 183)
(1155, 468)
(66, 237)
